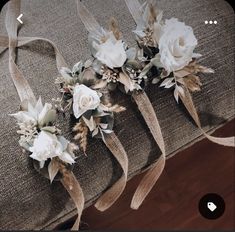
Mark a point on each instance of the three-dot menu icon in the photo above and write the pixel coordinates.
(211, 22)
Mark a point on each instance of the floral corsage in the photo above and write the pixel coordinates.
(41, 137)
(90, 107)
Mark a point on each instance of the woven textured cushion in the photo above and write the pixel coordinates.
(27, 200)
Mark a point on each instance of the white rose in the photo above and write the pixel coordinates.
(111, 52)
(176, 45)
(84, 99)
(48, 145)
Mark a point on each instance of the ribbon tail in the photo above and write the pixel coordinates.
(74, 189)
(112, 194)
(87, 18)
(135, 9)
(187, 100)
(147, 183)
(154, 173)
(21, 84)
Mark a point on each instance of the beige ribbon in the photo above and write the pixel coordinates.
(110, 196)
(21, 41)
(111, 140)
(135, 9)
(21, 84)
(74, 189)
(188, 103)
(87, 18)
(25, 93)
(152, 175)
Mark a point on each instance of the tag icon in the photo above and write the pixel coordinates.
(211, 206)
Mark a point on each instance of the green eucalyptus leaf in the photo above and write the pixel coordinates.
(66, 75)
(134, 64)
(88, 63)
(88, 114)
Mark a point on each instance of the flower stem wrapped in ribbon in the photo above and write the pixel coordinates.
(116, 65)
(168, 50)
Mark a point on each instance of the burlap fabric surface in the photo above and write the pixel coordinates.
(27, 200)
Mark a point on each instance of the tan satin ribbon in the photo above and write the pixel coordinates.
(21, 84)
(111, 141)
(135, 9)
(188, 103)
(74, 189)
(87, 18)
(152, 175)
(110, 196)
(25, 93)
(21, 41)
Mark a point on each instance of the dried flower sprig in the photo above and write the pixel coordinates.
(81, 131)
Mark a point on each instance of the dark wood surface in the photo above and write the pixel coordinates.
(173, 203)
